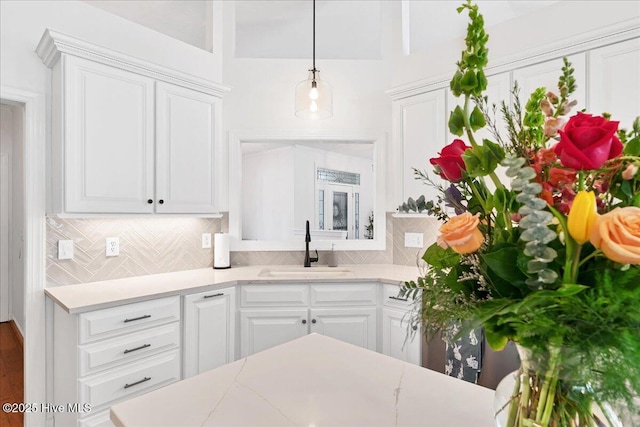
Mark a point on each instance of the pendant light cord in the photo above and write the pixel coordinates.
(314, 39)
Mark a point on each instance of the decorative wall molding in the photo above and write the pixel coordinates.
(53, 44)
(625, 30)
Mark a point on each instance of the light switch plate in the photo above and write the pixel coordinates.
(413, 240)
(112, 247)
(65, 249)
(206, 240)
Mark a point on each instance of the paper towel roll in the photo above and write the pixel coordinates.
(221, 251)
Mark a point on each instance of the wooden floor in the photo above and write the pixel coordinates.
(11, 375)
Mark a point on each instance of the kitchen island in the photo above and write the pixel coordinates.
(312, 381)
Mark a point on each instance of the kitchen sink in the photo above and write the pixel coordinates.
(305, 273)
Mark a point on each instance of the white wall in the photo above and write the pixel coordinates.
(553, 25)
(11, 144)
(263, 89)
(267, 189)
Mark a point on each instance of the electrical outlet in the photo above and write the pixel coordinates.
(65, 249)
(413, 240)
(206, 240)
(113, 246)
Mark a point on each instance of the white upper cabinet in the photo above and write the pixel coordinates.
(614, 81)
(420, 125)
(128, 136)
(185, 150)
(108, 139)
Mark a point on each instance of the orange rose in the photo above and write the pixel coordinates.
(617, 234)
(461, 234)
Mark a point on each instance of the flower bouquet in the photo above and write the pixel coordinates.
(548, 257)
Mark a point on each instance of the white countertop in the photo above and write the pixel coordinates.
(313, 381)
(97, 295)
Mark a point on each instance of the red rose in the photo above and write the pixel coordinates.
(450, 164)
(587, 142)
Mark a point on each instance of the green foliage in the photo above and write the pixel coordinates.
(483, 159)
(532, 133)
(456, 121)
(470, 79)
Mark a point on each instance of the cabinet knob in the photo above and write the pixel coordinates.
(150, 201)
(313, 321)
(161, 201)
(414, 327)
(304, 321)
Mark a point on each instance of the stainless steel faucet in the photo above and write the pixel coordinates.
(307, 259)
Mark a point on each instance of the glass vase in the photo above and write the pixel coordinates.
(547, 391)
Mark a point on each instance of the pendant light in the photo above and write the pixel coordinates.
(313, 96)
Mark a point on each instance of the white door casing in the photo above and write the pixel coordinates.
(4, 238)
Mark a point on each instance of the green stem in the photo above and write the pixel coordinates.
(570, 245)
(545, 404)
(513, 405)
(588, 257)
(581, 180)
(575, 263)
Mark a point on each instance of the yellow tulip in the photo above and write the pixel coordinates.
(582, 216)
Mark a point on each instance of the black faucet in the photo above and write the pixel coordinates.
(307, 259)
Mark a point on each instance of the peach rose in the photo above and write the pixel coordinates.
(617, 234)
(461, 234)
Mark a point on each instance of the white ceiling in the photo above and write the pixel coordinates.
(433, 22)
(185, 20)
(283, 29)
(345, 29)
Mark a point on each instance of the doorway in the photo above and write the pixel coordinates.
(12, 279)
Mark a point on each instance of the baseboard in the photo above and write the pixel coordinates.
(16, 330)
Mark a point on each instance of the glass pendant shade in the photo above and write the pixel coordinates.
(314, 99)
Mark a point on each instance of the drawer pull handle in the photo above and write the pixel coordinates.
(146, 316)
(399, 299)
(137, 348)
(213, 296)
(144, 380)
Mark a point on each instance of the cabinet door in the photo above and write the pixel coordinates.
(185, 129)
(614, 85)
(546, 74)
(263, 329)
(396, 341)
(420, 125)
(356, 326)
(209, 330)
(108, 139)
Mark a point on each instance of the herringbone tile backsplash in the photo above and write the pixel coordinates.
(162, 245)
(147, 246)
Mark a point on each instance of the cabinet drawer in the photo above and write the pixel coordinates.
(130, 347)
(106, 388)
(391, 298)
(343, 294)
(274, 295)
(115, 321)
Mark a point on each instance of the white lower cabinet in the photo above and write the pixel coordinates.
(106, 356)
(261, 329)
(398, 341)
(347, 312)
(356, 326)
(209, 330)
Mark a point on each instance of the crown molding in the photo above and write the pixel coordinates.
(53, 44)
(621, 31)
